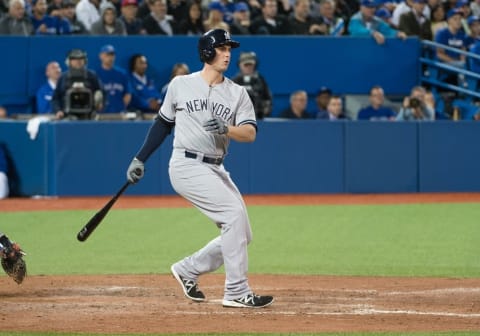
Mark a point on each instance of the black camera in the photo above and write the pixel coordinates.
(79, 100)
(414, 102)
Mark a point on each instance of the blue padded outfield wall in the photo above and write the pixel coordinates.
(311, 156)
(346, 65)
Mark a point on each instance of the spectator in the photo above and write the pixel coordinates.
(177, 9)
(158, 22)
(384, 14)
(193, 24)
(463, 6)
(78, 94)
(405, 7)
(178, 69)
(454, 37)
(438, 20)
(16, 22)
(414, 106)
(215, 17)
(109, 23)
(4, 187)
(335, 26)
(365, 23)
(88, 12)
(255, 83)
(413, 23)
(44, 24)
(241, 20)
(376, 110)
(3, 113)
(298, 106)
(474, 36)
(116, 84)
(321, 101)
(475, 7)
(133, 25)
(301, 22)
(54, 8)
(53, 71)
(270, 22)
(68, 13)
(145, 96)
(334, 109)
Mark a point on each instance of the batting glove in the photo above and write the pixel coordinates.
(216, 126)
(135, 171)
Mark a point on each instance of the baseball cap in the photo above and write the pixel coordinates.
(215, 5)
(453, 12)
(241, 7)
(108, 48)
(369, 3)
(129, 3)
(473, 18)
(67, 3)
(420, 1)
(383, 13)
(461, 3)
(323, 90)
(247, 58)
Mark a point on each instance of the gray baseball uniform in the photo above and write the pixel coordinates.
(190, 102)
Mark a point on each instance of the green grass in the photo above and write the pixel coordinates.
(386, 240)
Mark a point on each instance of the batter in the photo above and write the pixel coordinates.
(207, 110)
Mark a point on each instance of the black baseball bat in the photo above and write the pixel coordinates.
(92, 224)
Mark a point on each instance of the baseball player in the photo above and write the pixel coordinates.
(207, 110)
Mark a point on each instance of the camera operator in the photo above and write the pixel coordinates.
(414, 106)
(78, 94)
(256, 85)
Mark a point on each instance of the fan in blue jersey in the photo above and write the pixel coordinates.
(44, 24)
(45, 92)
(116, 84)
(145, 96)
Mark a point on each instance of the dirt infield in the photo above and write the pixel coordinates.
(119, 304)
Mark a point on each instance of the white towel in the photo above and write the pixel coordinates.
(33, 125)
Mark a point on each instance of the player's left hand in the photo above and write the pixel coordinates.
(216, 126)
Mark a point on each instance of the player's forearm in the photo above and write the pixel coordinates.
(243, 133)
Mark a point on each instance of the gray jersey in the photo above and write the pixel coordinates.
(190, 102)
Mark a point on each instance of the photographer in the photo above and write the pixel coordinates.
(78, 94)
(256, 85)
(414, 107)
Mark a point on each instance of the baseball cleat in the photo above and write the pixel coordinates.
(189, 287)
(249, 301)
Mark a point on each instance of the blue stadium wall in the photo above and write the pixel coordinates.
(311, 156)
(346, 65)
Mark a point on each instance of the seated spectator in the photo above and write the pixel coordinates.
(116, 84)
(109, 23)
(241, 20)
(44, 24)
(132, 23)
(376, 110)
(193, 24)
(145, 96)
(365, 23)
(321, 101)
(270, 22)
(178, 69)
(16, 22)
(413, 23)
(177, 9)
(463, 6)
(414, 107)
(438, 19)
(301, 22)
(78, 94)
(474, 36)
(68, 12)
(4, 184)
(215, 17)
(335, 109)
(250, 78)
(3, 113)
(454, 37)
(88, 12)
(45, 92)
(335, 26)
(158, 22)
(405, 7)
(298, 106)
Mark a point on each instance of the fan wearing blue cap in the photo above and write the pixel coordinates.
(241, 20)
(452, 36)
(414, 23)
(115, 81)
(473, 36)
(364, 23)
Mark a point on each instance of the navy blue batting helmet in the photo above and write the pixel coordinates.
(213, 39)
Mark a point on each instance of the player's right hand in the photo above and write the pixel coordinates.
(135, 171)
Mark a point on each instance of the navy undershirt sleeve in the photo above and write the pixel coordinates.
(156, 135)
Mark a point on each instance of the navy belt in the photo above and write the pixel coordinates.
(206, 159)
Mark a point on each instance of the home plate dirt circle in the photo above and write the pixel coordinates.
(155, 304)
